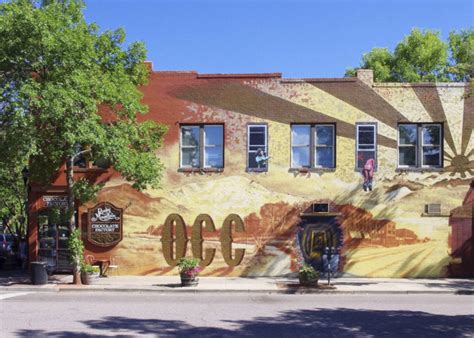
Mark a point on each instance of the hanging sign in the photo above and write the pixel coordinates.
(105, 224)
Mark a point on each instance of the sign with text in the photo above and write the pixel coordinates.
(55, 201)
(105, 224)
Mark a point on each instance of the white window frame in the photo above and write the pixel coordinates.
(407, 146)
(181, 147)
(265, 147)
(419, 146)
(201, 146)
(440, 159)
(300, 146)
(205, 146)
(313, 146)
(333, 146)
(374, 149)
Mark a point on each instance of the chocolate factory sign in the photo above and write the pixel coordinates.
(105, 223)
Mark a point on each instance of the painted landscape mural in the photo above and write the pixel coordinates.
(243, 222)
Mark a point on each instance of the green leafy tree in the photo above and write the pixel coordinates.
(461, 45)
(56, 70)
(380, 60)
(423, 56)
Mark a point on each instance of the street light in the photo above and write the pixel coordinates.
(25, 173)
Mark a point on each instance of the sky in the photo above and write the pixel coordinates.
(295, 37)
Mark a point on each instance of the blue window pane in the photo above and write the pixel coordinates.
(257, 129)
(257, 139)
(190, 157)
(407, 134)
(324, 157)
(431, 135)
(300, 156)
(407, 156)
(214, 157)
(431, 156)
(214, 135)
(300, 135)
(189, 136)
(324, 135)
(366, 137)
(366, 128)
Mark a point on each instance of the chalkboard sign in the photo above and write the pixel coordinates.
(105, 224)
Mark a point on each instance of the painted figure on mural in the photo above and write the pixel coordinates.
(368, 173)
(261, 158)
(330, 260)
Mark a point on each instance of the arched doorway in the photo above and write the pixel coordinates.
(318, 232)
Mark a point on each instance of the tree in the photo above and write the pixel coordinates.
(380, 60)
(423, 56)
(461, 45)
(420, 57)
(55, 72)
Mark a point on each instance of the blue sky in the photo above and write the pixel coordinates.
(297, 38)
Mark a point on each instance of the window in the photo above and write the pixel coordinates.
(86, 160)
(366, 144)
(313, 146)
(202, 146)
(321, 207)
(433, 209)
(419, 145)
(257, 147)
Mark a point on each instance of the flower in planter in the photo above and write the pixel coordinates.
(189, 266)
(307, 275)
(192, 272)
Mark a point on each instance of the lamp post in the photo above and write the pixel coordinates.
(25, 173)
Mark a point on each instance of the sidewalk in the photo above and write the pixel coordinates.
(165, 284)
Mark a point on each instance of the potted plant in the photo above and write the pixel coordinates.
(308, 276)
(188, 270)
(89, 274)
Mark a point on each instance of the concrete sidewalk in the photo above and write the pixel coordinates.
(165, 284)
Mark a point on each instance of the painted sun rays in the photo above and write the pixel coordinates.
(267, 100)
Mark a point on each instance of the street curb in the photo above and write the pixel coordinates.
(190, 290)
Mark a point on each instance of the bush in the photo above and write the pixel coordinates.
(308, 272)
(189, 266)
(90, 268)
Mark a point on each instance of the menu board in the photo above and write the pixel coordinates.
(105, 224)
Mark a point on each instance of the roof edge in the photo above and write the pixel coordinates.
(239, 76)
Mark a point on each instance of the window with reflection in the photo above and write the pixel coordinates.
(257, 147)
(366, 144)
(313, 146)
(420, 145)
(202, 146)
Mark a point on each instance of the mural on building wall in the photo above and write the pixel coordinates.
(380, 232)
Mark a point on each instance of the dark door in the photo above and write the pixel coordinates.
(53, 236)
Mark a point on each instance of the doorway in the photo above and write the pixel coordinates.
(53, 235)
(318, 233)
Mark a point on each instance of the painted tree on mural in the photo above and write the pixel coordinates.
(423, 56)
(55, 72)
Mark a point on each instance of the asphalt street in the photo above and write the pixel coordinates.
(80, 314)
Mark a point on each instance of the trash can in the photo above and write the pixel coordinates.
(38, 272)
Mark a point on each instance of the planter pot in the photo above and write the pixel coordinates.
(186, 280)
(308, 281)
(88, 278)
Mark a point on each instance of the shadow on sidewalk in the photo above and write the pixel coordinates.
(302, 323)
(22, 277)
